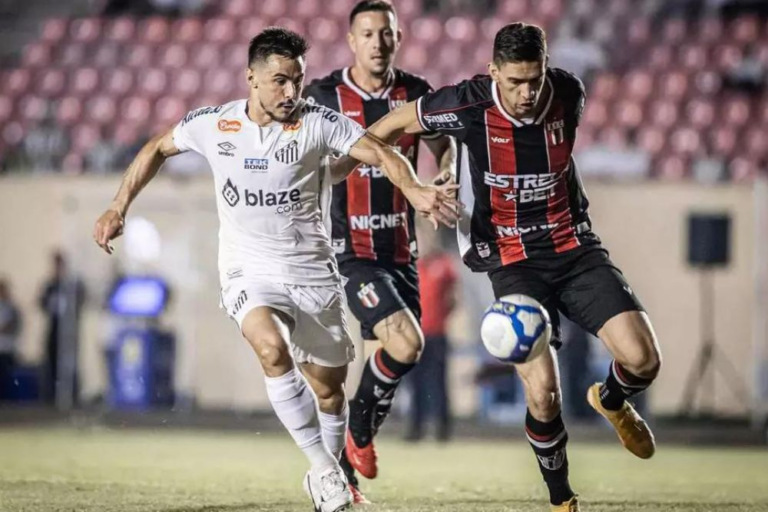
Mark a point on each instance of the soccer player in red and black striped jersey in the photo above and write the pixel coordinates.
(525, 222)
(373, 225)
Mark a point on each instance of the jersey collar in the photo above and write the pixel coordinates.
(347, 79)
(516, 122)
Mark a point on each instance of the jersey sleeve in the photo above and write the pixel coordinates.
(444, 111)
(339, 133)
(189, 135)
(430, 135)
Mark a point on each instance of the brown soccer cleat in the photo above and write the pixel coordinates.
(632, 430)
(572, 505)
(358, 498)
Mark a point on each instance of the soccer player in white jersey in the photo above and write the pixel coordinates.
(279, 278)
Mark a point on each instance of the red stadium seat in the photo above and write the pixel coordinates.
(742, 170)
(33, 109)
(709, 30)
(413, 56)
(100, 109)
(448, 57)
(154, 30)
(239, 8)
(686, 141)
(169, 111)
(407, 9)
(663, 113)
(54, 30)
(273, 8)
(692, 56)
(6, 108)
(173, 56)
(513, 9)
(707, 82)
(660, 58)
(16, 82)
(186, 83)
(152, 84)
(249, 27)
(674, 31)
(628, 114)
(51, 83)
(551, 10)
(139, 56)
(71, 55)
(638, 84)
(722, 141)
(305, 9)
(426, 30)
(726, 56)
(604, 87)
(324, 31)
(339, 55)
(135, 110)
(754, 146)
(218, 83)
(673, 85)
(672, 168)
(12, 133)
(638, 32)
(746, 29)
(735, 111)
(290, 23)
(205, 56)
(84, 81)
(651, 140)
(595, 114)
(613, 137)
(69, 111)
(107, 55)
(84, 137)
(188, 30)
(37, 55)
(85, 30)
(235, 58)
(700, 113)
(220, 30)
(120, 30)
(461, 29)
(118, 82)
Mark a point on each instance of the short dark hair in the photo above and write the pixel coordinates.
(520, 42)
(276, 41)
(371, 6)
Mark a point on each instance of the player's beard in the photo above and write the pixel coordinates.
(275, 116)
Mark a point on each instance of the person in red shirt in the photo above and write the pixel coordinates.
(428, 381)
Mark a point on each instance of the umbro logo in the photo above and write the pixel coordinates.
(226, 148)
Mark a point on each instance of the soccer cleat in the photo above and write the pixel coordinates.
(632, 430)
(572, 505)
(328, 490)
(362, 459)
(358, 498)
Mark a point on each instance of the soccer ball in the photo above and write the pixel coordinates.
(516, 329)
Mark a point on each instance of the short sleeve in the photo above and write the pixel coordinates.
(441, 111)
(189, 134)
(339, 133)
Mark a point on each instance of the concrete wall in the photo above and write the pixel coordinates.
(642, 224)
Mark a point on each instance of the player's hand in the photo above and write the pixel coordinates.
(107, 228)
(444, 177)
(438, 202)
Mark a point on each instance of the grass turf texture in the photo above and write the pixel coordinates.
(46, 470)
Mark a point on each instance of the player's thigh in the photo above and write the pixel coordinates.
(267, 331)
(630, 338)
(515, 279)
(541, 381)
(400, 333)
(321, 336)
(372, 295)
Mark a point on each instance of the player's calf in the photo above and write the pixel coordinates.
(548, 439)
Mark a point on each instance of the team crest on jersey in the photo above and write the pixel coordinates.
(368, 295)
(338, 244)
(556, 132)
(225, 125)
(483, 250)
(288, 154)
(230, 193)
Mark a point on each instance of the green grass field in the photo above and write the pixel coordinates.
(45, 470)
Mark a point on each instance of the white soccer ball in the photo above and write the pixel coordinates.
(516, 329)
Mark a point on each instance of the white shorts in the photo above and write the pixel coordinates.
(319, 335)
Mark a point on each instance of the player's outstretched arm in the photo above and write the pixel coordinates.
(143, 168)
(437, 201)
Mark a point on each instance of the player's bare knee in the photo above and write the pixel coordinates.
(544, 404)
(272, 350)
(646, 362)
(405, 341)
(330, 399)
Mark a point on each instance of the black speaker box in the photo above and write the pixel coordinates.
(709, 239)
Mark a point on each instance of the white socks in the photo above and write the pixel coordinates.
(335, 430)
(296, 406)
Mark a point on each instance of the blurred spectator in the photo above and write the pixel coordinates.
(427, 381)
(10, 328)
(61, 301)
(45, 146)
(747, 75)
(146, 7)
(574, 52)
(114, 154)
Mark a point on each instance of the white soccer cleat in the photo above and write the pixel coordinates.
(328, 490)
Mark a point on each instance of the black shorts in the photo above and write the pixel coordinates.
(376, 290)
(583, 284)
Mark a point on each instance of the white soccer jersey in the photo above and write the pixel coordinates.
(272, 191)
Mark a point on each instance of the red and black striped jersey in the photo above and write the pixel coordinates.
(371, 218)
(519, 184)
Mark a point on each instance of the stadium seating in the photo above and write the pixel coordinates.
(663, 91)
